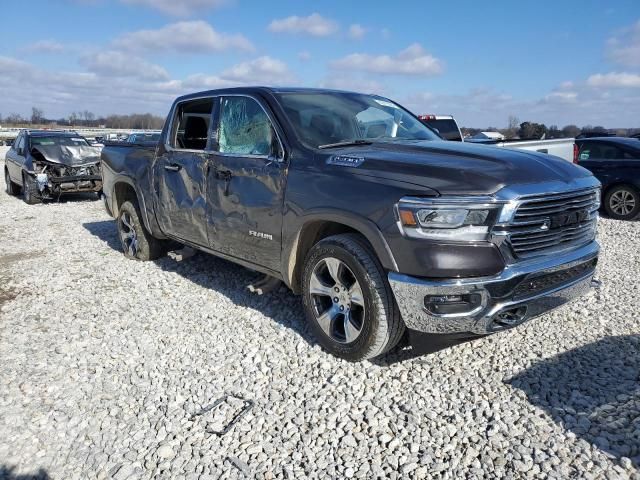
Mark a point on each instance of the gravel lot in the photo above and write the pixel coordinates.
(103, 362)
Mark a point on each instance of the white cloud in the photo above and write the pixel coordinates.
(178, 8)
(182, 37)
(315, 25)
(118, 64)
(614, 80)
(304, 56)
(413, 60)
(566, 97)
(59, 92)
(357, 31)
(354, 84)
(624, 47)
(44, 46)
(260, 71)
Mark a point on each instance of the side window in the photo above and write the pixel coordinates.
(190, 126)
(632, 155)
(245, 129)
(20, 144)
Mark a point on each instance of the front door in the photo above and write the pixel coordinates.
(249, 180)
(181, 173)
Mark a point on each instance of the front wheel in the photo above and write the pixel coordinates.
(30, 193)
(348, 300)
(137, 242)
(622, 202)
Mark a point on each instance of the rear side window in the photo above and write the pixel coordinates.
(600, 151)
(190, 128)
(447, 128)
(245, 128)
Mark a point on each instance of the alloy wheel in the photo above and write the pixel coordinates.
(128, 234)
(622, 202)
(337, 300)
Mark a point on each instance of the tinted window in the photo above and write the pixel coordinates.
(600, 151)
(245, 128)
(330, 117)
(190, 128)
(447, 128)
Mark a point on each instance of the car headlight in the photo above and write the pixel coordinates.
(453, 218)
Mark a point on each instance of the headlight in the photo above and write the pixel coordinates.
(454, 218)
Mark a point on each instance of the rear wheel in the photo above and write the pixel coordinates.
(137, 242)
(12, 189)
(622, 202)
(348, 300)
(30, 193)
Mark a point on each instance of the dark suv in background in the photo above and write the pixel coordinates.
(615, 161)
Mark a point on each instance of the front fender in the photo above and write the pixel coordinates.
(349, 219)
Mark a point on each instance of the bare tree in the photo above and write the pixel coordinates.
(37, 115)
(15, 119)
(513, 124)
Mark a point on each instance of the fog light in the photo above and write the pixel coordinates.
(452, 304)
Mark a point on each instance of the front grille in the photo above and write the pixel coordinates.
(553, 222)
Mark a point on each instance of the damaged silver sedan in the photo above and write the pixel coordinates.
(44, 164)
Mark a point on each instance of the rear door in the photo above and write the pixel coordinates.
(181, 170)
(605, 160)
(249, 182)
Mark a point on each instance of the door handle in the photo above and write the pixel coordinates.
(173, 167)
(223, 174)
(226, 176)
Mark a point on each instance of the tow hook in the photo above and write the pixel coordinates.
(595, 283)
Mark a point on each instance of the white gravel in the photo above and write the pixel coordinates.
(103, 361)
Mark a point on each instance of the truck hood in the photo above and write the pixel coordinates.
(454, 167)
(69, 156)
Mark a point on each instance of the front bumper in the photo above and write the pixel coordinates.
(521, 292)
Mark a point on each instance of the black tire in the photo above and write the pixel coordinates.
(30, 193)
(12, 189)
(137, 242)
(622, 202)
(380, 325)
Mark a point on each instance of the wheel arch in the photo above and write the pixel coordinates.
(317, 226)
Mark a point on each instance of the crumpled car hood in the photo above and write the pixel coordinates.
(69, 156)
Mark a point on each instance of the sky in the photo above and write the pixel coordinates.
(556, 62)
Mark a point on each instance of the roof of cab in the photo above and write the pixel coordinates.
(258, 89)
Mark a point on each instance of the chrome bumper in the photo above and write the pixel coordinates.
(503, 300)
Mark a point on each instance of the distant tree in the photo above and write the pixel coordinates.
(532, 130)
(599, 129)
(554, 132)
(15, 119)
(37, 116)
(512, 127)
(570, 131)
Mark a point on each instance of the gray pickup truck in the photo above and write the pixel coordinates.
(356, 205)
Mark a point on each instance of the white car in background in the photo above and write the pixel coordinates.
(447, 127)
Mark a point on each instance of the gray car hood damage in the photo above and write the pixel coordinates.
(69, 156)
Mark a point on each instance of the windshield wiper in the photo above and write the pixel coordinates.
(346, 143)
